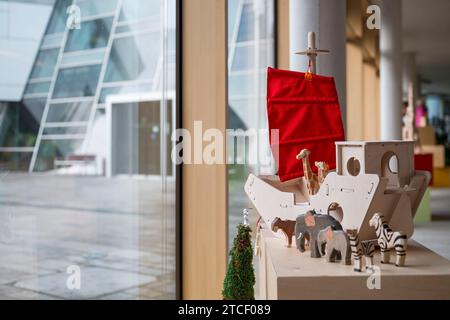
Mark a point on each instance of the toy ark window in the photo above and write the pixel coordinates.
(390, 168)
(393, 164)
(335, 210)
(353, 166)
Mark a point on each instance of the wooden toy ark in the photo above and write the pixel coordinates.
(370, 177)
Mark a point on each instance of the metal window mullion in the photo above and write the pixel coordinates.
(55, 46)
(232, 49)
(103, 71)
(16, 149)
(83, 52)
(115, 84)
(163, 137)
(158, 74)
(80, 64)
(71, 100)
(97, 16)
(39, 95)
(121, 35)
(152, 19)
(66, 124)
(39, 80)
(63, 137)
(49, 96)
(249, 43)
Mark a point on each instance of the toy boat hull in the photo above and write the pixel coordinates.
(352, 200)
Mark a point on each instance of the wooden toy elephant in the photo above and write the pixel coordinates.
(337, 244)
(309, 225)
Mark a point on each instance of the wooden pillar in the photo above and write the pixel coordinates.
(355, 93)
(282, 34)
(204, 187)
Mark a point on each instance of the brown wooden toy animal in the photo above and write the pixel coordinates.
(359, 249)
(312, 182)
(388, 239)
(323, 170)
(286, 226)
(337, 245)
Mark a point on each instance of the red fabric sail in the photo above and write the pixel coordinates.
(307, 114)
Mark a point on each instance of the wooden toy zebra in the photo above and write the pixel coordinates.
(360, 248)
(388, 239)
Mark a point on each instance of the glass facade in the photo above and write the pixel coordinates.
(115, 50)
(251, 48)
(85, 155)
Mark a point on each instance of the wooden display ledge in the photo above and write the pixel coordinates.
(285, 273)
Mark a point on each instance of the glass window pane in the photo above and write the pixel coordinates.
(15, 161)
(75, 111)
(138, 26)
(20, 122)
(246, 96)
(59, 17)
(239, 112)
(92, 34)
(96, 7)
(123, 89)
(241, 85)
(35, 107)
(134, 58)
(77, 82)
(233, 7)
(247, 24)
(45, 64)
(51, 150)
(244, 58)
(41, 87)
(74, 208)
(52, 40)
(138, 9)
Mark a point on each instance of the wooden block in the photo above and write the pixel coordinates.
(438, 152)
(424, 161)
(426, 135)
(441, 177)
(423, 213)
(288, 274)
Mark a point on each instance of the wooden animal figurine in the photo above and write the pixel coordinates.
(337, 245)
(286, 226)
(323, 169)
(308, 225)
(359, 249)
(388, 239)
(310, 177)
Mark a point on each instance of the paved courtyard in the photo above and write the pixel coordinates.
(114, 230)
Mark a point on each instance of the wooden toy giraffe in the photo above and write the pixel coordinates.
(323, 168)
(311, 178)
